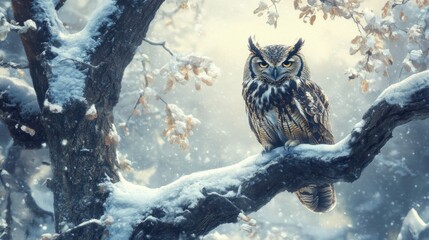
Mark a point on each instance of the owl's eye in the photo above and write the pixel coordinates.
(263, 64)
(287, 63)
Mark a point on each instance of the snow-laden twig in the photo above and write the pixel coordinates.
(191, 206)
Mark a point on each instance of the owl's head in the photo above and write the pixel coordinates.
(275, 64)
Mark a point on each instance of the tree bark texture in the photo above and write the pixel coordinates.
(82, 151)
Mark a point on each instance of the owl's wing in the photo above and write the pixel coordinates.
(264, 130)
(315, 106)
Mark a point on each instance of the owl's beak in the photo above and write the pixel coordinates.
(276, 73)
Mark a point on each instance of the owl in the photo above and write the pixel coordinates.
(285, 108)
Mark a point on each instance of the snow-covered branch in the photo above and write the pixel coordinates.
(413, 227)
(195, 204)
(37, 43)
(124, 26)
(20, 112)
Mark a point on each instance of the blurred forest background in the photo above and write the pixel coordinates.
(373, 207)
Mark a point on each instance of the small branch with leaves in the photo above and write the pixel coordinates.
(180, 69)
(270, 11)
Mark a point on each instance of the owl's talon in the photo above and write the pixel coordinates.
(292, 143)
(266, 150)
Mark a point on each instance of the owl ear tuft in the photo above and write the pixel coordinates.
(297, 47)
(254, 48)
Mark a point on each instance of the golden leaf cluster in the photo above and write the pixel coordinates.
(179, 126)
(200, 70)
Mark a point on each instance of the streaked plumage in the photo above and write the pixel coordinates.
(283, 105)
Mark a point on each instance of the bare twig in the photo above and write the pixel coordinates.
(162, 44)
(358, 23)
(146, 83)
(80, 63)
(13, 65)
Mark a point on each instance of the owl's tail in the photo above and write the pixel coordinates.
(317, 198)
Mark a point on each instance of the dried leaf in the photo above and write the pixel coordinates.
(385, 9)
(302, 14)
(142, 100)
(136, 112)
(197, 86)
(364, 85)
(169, 115)
(356, 39)
(196, 70)
(170, 84)
(312, 19)
(91, 113)
(402, 16)
(385, 74)
(296, 4)
(28, 130)
(21, 73)
(207, 81)
(183, 70)
(149, 78)
(262, 7)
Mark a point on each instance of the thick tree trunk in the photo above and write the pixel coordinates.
(82, 158)
(82, 148)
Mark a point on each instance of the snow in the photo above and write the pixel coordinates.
(68, 82)
(55, 108)
(412, 227)
(328, 152)
(91, 113)
(28, 130)
(28, 25)
(4, 27)
(128, 200)
(21, 93)
(401, 92)
(113, 135)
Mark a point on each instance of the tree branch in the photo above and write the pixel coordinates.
(162, 44)
(20, 113)
(37, 44)
(195, 204)
(13, 65)
(119, 35)
(59, 4)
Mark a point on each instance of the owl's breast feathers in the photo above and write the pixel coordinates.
(294, 110)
